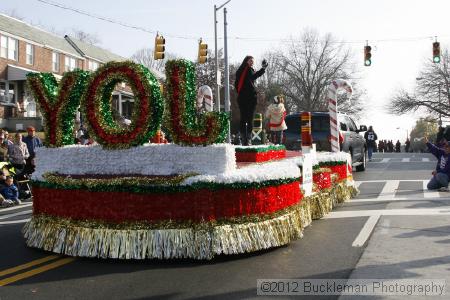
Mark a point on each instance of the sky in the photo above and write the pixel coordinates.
(400, 32)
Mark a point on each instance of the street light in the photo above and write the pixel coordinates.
(407, 132)
(215, 53)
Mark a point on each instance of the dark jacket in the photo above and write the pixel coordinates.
(247, 95)
(10, 192)
(32, 143)
(370, 137)
(443, 164)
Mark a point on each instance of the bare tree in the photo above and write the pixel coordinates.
(306, 68)
(86, 37)
(431, 92)
(14, 14)
(144, 56)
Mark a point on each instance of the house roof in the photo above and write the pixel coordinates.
(20, 29)
(97, 53)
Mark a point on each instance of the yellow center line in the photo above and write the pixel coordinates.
(58, 263)
(28, 265)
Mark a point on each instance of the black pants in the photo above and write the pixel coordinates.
(247, 110)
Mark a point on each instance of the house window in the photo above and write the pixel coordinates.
(55, 62)
(8, 47)
(93, 65)
(7, 92)
(12, 48)
(3, 46)
(69, 63)
(29, 54)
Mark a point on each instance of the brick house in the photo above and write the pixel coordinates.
(25, 48)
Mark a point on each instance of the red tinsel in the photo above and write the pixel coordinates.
(260, 156)
(51, 109)
(177, 117)
(322, 180)
(341, 170)
(144, 108)
(199, 205)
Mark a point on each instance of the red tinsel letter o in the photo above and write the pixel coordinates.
(148, 105)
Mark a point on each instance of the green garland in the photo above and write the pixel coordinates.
(53, 181)
(185, 125)
(58, 103)
(148, 105)
(332, 163)
(260, 149)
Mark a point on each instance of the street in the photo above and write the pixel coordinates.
(393, 229)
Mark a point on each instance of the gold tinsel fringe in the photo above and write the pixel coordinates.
(202, 242)
(61, 237)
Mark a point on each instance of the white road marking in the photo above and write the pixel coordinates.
(404, 159)
(366, 231)
(389, 189)
(14, 222)
(429, 194)
(26, 212)
(16, 207)
(388, 212)
(384, 180)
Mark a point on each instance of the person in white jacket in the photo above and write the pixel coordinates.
(276, 112)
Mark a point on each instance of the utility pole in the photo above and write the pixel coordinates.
(216, 56)
(216, 61)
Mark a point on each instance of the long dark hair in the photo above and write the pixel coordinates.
(241, 69)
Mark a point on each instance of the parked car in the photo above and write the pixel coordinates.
(351, 141)
(419, 145)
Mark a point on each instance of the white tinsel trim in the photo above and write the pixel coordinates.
(252, 173)
(333, 156)
(149, 159)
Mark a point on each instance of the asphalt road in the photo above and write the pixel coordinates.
(331, 248)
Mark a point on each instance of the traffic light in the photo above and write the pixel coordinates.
(367, 56)
(159, 47)
(202, 52)
(436, 52)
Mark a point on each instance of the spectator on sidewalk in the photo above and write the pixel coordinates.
(32, 142)
(370, 137)
(10, 191)
(407, 145)
(398, 146)
(441, 174)
(19, 152)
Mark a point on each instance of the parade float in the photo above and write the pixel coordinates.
(195, 198)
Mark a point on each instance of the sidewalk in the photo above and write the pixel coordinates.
(407, 247)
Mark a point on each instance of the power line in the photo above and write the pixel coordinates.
(238, 38)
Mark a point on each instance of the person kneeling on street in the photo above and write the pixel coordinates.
(441, 174)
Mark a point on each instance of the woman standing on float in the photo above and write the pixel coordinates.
(247, 97)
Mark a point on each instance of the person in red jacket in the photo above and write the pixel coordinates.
(247, 96)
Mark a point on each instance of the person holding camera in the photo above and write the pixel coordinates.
(247, 96)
